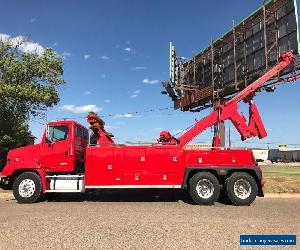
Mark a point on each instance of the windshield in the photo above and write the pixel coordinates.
(57, 133)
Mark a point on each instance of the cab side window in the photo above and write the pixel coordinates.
(57, 133)
(82, 133)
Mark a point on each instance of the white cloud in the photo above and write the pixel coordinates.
(139, 68)
(126, 116)
(65, 55)
(107, 101)
(4, 37)
(87, 56)
(105, 57)
(103, 76)
(54, 44)
(81, 109)
(135, 93)
(128, 49)
(148, 81)
(32, 20)
(87, 92)
(23, 44)
(32, 48)
(128, 42)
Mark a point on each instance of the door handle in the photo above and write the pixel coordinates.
(66, 152)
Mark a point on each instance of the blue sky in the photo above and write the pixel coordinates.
(116, 55)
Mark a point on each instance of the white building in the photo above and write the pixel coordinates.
(260, 154)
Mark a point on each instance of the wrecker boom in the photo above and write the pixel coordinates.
(229, 109)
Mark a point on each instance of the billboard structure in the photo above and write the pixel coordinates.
(236, 59)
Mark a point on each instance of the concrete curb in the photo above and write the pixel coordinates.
(282, 195)
(9, 195)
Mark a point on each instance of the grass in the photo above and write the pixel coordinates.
(281, 179)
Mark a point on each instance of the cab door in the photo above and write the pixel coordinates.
(57, 149)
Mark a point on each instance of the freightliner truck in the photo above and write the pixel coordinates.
(65, 161)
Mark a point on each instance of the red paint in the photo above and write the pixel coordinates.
(100, 135)
(56, 157)
(166, 138)
(155, 165)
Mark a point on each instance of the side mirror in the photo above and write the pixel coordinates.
(47, 140)
(48, 137)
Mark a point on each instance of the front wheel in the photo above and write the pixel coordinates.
(27, 187)
(241, 189)
(204, 188)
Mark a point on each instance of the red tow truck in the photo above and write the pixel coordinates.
(65, 161)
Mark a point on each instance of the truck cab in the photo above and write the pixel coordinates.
(61, 150)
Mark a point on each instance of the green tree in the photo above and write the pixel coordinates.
(28, 86)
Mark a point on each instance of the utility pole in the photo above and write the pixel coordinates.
(219, 128)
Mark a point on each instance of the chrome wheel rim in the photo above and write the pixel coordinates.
(205, 188)
(26, 188)
(242, 189)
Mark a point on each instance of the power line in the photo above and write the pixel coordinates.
(130, 113)
(123, 114)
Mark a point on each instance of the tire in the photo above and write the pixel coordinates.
(204, 188)
(241, 189)
(27, 187)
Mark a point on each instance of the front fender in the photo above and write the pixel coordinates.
(14, 165)
(11, 171)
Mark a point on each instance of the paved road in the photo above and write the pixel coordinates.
(141, 220)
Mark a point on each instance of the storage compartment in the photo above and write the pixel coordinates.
(66, 183)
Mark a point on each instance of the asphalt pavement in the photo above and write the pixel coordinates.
(141, 220)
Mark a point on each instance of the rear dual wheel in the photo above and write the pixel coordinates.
(241, 189)
(204, 188)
